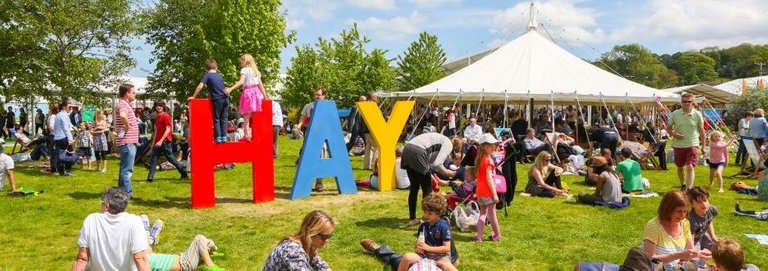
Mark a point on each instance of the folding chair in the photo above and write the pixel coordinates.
(755, 155)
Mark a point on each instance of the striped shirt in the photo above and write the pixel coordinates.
(126, 134)
(665, 243)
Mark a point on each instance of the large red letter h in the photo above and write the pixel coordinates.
(205, 154)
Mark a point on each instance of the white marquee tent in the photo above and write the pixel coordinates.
(532, 66)
(736, 86)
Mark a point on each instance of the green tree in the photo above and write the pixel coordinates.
(187, 32)
(638, 64)
(65, 48)
(421, 63)
(737, 62)
(694, 68)
(754, 98)
(342, 65)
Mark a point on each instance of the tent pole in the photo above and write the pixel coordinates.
(530, 111)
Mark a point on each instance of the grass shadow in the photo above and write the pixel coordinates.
(383, 222)
(167, 202)
(233, 200)
(84, 195)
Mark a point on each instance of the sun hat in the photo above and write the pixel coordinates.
(598, 161)
(487, 138)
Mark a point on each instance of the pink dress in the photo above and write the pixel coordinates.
(250, 99)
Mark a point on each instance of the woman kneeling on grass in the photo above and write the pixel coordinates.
(538, 184)
(299, 251)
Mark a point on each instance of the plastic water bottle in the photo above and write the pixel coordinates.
(421, 239)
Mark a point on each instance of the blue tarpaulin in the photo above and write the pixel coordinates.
(344, 112)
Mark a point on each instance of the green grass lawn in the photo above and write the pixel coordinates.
(40, 233)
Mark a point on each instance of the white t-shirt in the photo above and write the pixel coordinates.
(401, 175)
(250, 78)
(112, 240)
(51, 123)
(6, 163)
(277, 114)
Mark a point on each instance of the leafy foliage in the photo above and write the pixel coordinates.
(187, 32)
(421, 63)
(64, 48)
(638, 64)
(691, 67)
(342, 65)
(755, 98)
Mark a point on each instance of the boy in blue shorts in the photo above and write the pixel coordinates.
(219, 99)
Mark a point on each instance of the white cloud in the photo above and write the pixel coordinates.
(695, 23)
(373, 4)
(316, 9)
(562, 19)
(432, 3)
(292, 23)
(393, 29)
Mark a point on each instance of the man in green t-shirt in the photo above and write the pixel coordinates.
(630, 172)
(686, 126)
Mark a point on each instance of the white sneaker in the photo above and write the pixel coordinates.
(157, 227)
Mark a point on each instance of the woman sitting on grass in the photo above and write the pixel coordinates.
(667, 237)
(299, 251)
(541, 186)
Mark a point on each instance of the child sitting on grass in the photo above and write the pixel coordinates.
(729, 256)
(435, 237)
(701, 216)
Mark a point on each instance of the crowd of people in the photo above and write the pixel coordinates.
(476, 161)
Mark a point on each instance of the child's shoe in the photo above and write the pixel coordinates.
(157, 227)
(494, 238)
(478, 239)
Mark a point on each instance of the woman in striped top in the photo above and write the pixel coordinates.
(667, 237)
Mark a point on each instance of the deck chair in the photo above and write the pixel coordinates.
(552, 140)
(642, 154)
(756, 157)
(21, 140)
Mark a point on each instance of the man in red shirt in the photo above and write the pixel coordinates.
(161, 142)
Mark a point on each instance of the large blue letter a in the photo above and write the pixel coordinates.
(324, 128)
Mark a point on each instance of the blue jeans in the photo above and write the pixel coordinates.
(127, 156)
(59, 145)
(220, 117)
(741, 154)
(166, 150)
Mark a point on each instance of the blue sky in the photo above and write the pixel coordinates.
(465, 27)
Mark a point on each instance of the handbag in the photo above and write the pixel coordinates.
(501, 183)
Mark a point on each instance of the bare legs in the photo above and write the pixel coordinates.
(247, 126)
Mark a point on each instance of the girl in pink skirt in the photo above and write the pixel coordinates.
(253, 92)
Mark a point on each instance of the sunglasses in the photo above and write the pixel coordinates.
(325, 237)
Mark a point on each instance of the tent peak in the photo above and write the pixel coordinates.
(532, 18)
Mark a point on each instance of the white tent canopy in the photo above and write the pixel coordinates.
(736, 86)
(532, 66)
(713, 94)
